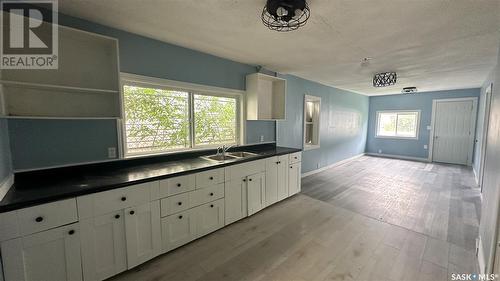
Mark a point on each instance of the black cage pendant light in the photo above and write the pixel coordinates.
(285, 15)
(384, 79)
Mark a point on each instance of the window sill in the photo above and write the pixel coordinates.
(165, 153)
(396, 138)
(311, 147)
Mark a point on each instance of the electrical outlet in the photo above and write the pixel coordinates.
(380, 151)
(111, 152)
(425, 146)
(261, 138)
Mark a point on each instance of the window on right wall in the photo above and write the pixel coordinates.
(398, 124)
(312, 113)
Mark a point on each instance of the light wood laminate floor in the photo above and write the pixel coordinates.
(326, 234)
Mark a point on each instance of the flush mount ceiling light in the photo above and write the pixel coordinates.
(285, 15)
(384, 79)
(409, 90)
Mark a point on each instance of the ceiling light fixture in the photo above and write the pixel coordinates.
(384, 79)
(409, 90)
(285, 15)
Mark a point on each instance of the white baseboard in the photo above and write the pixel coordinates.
(402, 157)
(480, 257)
(475, 176)
(6, 185)
(331, 165)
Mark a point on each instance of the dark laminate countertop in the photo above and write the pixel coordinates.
(37, 187)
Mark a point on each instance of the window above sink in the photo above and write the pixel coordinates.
(163, 116)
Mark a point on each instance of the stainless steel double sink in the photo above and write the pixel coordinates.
(229, 156)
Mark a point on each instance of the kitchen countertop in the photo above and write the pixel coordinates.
(43, 186)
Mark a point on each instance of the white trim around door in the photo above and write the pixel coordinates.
(486, 122)
(472, 128)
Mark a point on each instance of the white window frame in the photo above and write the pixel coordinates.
(397, 112)
(314, 99)
(160, 83)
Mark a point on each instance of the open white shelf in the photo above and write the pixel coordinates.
(55, 87)
(86, 84)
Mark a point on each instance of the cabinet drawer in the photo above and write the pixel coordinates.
(47, 216)
(209, 178)
(176, 185)
(108, 201)
(295, 157)
(242, 170)
(208, 194)
(175, 204)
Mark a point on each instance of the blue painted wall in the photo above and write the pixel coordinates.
(40, 143)
(420, 101)
(138, 55)
(5, 158)
(336, 142)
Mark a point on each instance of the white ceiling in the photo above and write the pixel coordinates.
(431, 44)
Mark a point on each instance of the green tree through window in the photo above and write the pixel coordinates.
(158, 120)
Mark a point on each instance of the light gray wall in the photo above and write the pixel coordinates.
(5, 158)
(337, 143)
(491, 182)
(419, 101)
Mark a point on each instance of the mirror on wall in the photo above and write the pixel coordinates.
(312, 108)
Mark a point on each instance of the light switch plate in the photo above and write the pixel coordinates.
(425, 146)
(429, 128)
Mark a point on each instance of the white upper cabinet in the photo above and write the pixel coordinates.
(266, 97)
(86, 83)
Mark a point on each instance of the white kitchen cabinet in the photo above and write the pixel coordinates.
(276, 179)
(104, 250)
(266, 97)
(235, 198)
(208, 217)
(294, 178)
(142, 233)
(120, 240)
(177, 230)
(49, 255)
(256, 192)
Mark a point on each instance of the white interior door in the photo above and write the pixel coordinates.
(453, 137)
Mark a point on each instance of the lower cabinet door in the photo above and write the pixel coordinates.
(49, 255)
(177, 230)
(142, 232)
(235, 200)
(282, 177)
(104, 251)
(208, 217)
(256, 192)
(294, 178)
(272, 180)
